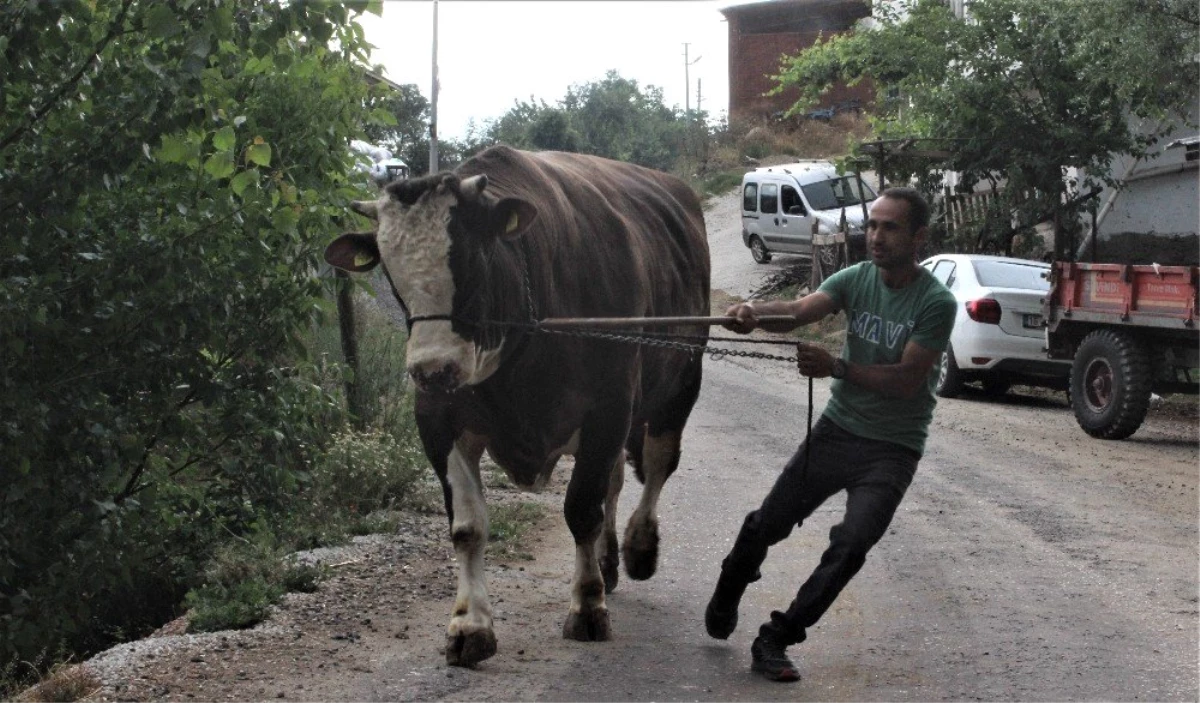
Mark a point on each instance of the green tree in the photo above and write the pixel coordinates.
(407, 130)
(617, 119)
(613, 117)
(171, 172)
(1023, 90)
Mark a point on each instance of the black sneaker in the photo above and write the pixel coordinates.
(720, 622)
(721, 616)
(768, 657)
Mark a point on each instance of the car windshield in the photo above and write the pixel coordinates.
(1004, 274)
(836, 192)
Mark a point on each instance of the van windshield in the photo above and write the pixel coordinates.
(836, 192)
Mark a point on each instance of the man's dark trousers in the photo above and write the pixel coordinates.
(875, 474)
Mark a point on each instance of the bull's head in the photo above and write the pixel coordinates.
(435, 237)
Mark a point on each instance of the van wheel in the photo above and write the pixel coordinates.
(759, 250)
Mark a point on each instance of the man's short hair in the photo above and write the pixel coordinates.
(918, 209)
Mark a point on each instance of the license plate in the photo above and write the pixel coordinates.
(1033, 321)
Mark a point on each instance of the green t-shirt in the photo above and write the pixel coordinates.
(880, 321)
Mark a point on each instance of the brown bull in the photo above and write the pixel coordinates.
(512, 236)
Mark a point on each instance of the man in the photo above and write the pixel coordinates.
(873, 430)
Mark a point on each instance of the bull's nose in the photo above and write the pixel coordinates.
(436, 377)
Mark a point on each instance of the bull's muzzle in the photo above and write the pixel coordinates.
(437, 377)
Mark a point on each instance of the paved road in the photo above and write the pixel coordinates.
(1029, 562)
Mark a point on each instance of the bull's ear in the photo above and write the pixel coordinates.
(511, 217)
(354, 251)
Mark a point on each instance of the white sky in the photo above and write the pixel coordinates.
(493, 53)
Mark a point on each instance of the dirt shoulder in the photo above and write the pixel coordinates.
(373, 623)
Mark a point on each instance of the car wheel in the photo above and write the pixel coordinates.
(759, 250)
(1110, 384)
(950, 379)
(996, 386)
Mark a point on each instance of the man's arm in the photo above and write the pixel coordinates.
(811, 308)
(898, 380)
(902, 380)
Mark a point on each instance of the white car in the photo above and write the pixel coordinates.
(999, 335)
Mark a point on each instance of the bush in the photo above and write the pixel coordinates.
(362, 472)
(171, 176)
(243, 581)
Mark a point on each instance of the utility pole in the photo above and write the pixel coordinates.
(687, 103)
(433, 142)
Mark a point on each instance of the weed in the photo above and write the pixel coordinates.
(64, 682)
(220, 606)
(242, 582)
(300, 577)
(507, 524)
(380, 522)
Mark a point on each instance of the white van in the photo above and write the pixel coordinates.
(780, 204)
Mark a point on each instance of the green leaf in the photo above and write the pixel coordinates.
(220, 164)
(285, 219)
(224, 139)
(161, 22)
(244, 180)
(174, 149)
(259, 154)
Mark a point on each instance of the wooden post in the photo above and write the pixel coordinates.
(349, 335)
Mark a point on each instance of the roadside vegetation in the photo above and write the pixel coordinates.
(171, 426)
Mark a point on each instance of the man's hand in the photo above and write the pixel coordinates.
(813, 361)
(743, 318)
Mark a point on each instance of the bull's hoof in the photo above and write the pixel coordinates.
(640, 551)
(590, 626)
(610, 569)
(471, 648)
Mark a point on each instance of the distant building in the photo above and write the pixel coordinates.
(761, 32)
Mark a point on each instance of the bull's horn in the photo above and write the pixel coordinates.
(367, 208)
(473, 186)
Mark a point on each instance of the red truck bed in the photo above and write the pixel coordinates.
(1144, 296)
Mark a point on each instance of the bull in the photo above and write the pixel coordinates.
(477, 254)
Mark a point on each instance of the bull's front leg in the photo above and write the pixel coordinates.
(469, 637)
(601, 446)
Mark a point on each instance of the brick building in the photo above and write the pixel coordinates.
(761, 32)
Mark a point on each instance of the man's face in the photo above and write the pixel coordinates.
(890, 239)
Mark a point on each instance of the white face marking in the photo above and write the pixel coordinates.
(414, 244)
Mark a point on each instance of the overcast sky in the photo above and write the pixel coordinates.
(493, 53)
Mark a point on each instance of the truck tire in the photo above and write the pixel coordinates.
(1110, 384)
(950, 379)
(759, 250)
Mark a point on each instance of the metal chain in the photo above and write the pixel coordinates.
(653, 340)
(666, 341)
